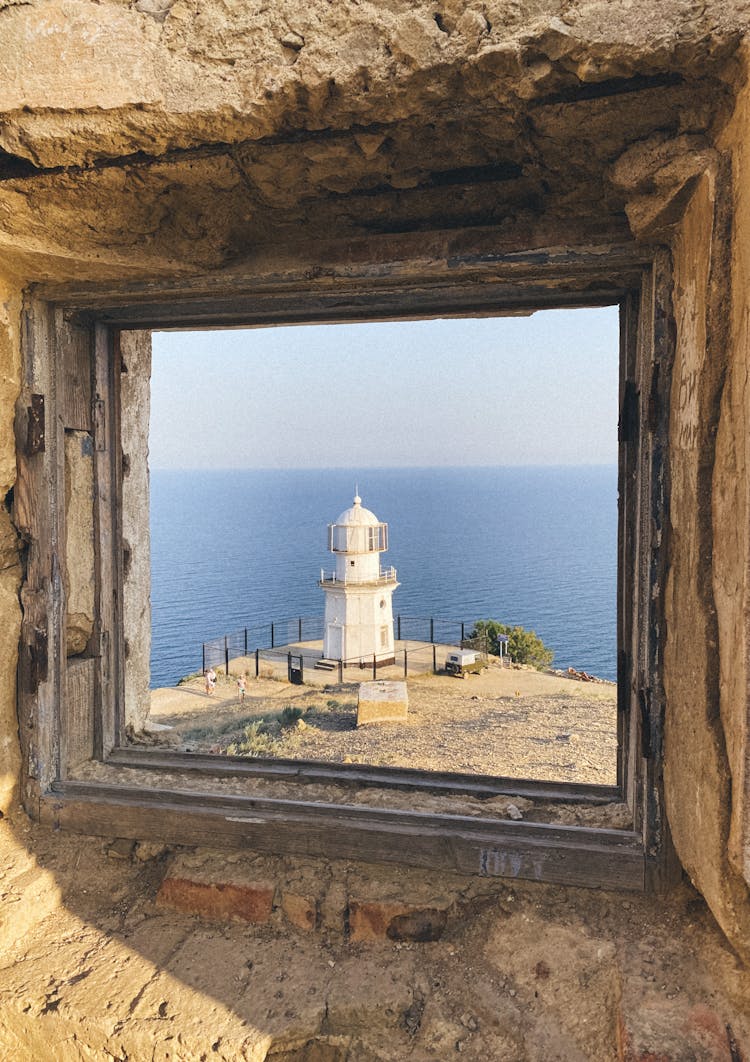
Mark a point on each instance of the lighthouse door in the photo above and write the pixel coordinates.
(335, 641)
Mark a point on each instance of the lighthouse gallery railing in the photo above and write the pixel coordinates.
(386, 575)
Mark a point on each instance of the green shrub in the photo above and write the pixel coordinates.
(523, 647)
(257, 742)
(290, 715)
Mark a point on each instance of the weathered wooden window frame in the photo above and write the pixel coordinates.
(72, 711)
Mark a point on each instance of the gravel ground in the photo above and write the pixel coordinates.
(512, 722)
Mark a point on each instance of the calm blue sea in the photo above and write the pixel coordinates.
(535, 546)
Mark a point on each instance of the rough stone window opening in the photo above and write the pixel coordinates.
(90, 768)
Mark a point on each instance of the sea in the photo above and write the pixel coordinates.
(535, 546)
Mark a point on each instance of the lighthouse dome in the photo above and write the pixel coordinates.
(357, 515)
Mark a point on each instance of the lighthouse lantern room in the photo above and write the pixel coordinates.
(358, 621)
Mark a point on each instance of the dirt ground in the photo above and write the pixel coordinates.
(510, 722)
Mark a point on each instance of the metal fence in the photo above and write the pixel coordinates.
(219, 651)
(278, 645)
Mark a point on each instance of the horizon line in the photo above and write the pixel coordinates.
(372, 468)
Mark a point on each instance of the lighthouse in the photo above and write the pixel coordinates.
(358, 621)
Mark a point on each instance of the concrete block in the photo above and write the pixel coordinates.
(382, 702)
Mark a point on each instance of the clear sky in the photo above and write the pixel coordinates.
(539, 390)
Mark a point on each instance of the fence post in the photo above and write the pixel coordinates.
(289, 666)
(398, 626)
(203, 655)
(245, 641)
(462, 632)
(341, 672)
(406, 666)
(432, 630)
(434, 659)
(299, 629)
(374, 666)
(257, 663)
(226, 656)
(272, 635)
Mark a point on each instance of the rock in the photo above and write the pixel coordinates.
(514, 812)
(381, 920)
(148, 850)
(413, 1017)
(293, 40)
(122, 848)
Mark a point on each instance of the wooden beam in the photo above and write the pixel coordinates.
(38, 501)
(107, 499)
(375, 276)
(78, 711)
(356, 775)
(491, 848)
(73, 348)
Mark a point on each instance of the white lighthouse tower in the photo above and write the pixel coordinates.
(359, 608)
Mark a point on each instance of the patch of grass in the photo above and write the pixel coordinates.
(253, 735)
(263, 739)
(290, 716)
(231, 725)
(333, 705)
(257, 741)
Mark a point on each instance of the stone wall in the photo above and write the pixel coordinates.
(707, 638)
(731, 497)
(151, 141)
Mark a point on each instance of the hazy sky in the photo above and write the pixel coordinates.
(538, 390)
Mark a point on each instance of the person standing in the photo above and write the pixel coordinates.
(241, 689)
(210, 682)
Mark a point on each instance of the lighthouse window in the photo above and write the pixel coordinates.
(448, 514)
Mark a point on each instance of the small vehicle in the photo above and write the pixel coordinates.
(461, 662)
